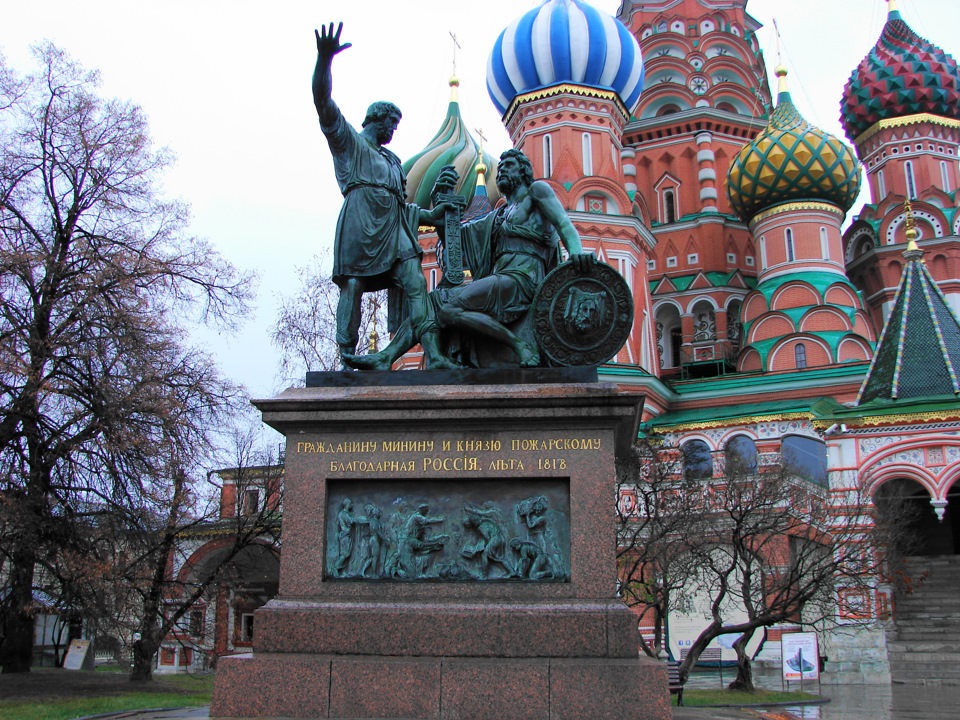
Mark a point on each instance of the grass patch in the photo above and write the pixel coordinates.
(61, 694)
(705, 698)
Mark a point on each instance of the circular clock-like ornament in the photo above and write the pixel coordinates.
(696, 63)
(698, 84)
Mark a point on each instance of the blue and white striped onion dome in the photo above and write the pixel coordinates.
(564, 42)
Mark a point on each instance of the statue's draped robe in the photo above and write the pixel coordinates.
(491, 245)
(376, 227)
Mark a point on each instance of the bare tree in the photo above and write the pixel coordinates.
(100, 394)
(165, 596)
(656, 514)
(761, 546)
(306, 327)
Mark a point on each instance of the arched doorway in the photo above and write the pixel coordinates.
(915, 529)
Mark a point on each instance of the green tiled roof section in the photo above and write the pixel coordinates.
(796, 315)
(814, 407)
(764, 383)
(832, 340)
(717, 279)
(820, 281)
(919, 349)
(912, 406)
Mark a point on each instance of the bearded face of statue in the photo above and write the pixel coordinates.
(386, 127)
(508, 176)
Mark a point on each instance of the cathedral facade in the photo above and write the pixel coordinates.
(770, 312)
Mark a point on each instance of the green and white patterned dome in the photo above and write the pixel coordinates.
(792, 161)
(452, 145)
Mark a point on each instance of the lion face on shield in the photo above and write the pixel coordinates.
(585, 311)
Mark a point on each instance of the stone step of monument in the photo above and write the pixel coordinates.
(927, 645)
(936, 628)
(926, 619)
(945, 591)
(924, 652)
(923, 638)
(916, 671)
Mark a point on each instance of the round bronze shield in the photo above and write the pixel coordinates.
(582, 318)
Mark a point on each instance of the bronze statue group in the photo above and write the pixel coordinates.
(508, 253)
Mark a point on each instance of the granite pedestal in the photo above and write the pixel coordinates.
(450, 635)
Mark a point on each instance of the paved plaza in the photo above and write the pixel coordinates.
(847, 702)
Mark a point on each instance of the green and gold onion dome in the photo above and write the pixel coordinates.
(792, 161)
(452, 145)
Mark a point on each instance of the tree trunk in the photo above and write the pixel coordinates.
(144, 651)
(744, 679)
(16, 650)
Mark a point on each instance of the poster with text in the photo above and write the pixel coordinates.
(801, 656)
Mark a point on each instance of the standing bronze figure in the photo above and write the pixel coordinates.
(375, 246)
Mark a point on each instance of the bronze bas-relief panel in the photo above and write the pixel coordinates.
(486, 530)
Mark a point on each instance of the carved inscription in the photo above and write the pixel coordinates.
(455, 456)
(485, 530)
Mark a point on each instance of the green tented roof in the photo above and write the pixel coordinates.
(919, 350)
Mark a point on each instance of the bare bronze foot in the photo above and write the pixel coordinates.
(377, 361)
(440, 362)
(528, 354)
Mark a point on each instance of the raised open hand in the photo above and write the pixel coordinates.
(328, 42)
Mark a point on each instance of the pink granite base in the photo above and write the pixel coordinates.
(325, 686)
(328, 648)
(294, 686)
(568, 629)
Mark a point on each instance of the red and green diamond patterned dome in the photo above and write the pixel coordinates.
(903, 75)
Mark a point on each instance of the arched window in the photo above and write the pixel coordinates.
(945, 176)
(805, 457)
(547, 156)
(763, 251)
(669, 207)
(668, 110)
(824, 244)
(740, 455)
(911, 181)
(800, 355)
(697, 460)
(788, 235)
(881, 185)
(587, 147)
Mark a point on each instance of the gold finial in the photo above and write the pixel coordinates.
(481, 166)
(911, 227)
(374, 336)
(891, 6)
(454, 84)
(781, 72)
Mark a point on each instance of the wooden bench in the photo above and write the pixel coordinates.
(709, 655)
(673, 678)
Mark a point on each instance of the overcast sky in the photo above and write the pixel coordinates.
(226, 86)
